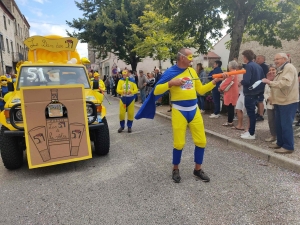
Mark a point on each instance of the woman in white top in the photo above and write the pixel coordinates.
(270, 107)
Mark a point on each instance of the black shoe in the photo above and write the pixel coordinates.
(201, 175)
(260, 118)
(129, 129)
(158, 104)
(120, 129)
(176, 176)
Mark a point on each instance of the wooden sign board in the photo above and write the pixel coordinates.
(55, 124)
(52, 45)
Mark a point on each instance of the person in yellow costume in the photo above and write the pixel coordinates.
(101, 83)
(3, 90)
(183, 83)
(127, 89)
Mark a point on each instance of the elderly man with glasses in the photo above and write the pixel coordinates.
(285, 98)
(183, 83)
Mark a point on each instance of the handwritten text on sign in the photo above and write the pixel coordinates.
(52, 45)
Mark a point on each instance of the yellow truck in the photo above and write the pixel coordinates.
(52, 111)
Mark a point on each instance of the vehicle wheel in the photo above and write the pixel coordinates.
(101, 139)
(11, 153)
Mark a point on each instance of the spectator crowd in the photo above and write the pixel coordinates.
(260, 89)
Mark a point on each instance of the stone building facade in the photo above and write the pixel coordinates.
(20, 32)
(290, 47)
(6, 39)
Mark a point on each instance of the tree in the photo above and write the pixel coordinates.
(154, 39)
(197, 18)
(106, 26)
(267, 21)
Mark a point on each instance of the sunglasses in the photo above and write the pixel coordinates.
(189, 57)
(124, 72)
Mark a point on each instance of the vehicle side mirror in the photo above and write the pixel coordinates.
(95, 85)
(10, 87)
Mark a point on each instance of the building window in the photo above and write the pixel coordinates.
(12, 46)
(4, 20)
(7, 45)
(17, 47)
(1, 43)
(8, 21)
(16, 28)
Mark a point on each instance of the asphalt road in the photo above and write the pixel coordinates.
(133, 185)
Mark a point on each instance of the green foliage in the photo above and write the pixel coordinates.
(153, 37)
(106, 27)
(198, 19)
(266, 21)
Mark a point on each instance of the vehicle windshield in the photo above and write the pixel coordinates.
(32, 76)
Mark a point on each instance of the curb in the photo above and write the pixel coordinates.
(275, 159)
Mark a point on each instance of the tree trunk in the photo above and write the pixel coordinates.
(133, 62)
(238, 25)
(241, 14)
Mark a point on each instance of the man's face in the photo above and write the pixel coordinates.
(156, 71)
(279, 60)
(260, 60)
(245, 60)
(125, 73)
(141, 73)
(215, 65)
(187, 58)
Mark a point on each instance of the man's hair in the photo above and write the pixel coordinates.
(249, 54)
(219, 63)
(283, 55)
(182, 51)
(262, 57)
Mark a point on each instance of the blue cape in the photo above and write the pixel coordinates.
(148, 108)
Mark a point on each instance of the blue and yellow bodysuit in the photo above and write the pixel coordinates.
(185, 110)
(127, 101)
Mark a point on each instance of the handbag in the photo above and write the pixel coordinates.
(228, 86)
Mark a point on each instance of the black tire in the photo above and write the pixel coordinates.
(11, 153)
(101, 139)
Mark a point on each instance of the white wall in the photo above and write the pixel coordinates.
(220, 49)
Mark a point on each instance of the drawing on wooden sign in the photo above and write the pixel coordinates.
(58, 139)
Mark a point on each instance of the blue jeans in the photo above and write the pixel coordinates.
(108, 90)
(201, 101)
(284, 117)
(216, 98)
(143, 94)
(250, 102)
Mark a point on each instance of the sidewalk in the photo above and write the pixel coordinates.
(231, 137)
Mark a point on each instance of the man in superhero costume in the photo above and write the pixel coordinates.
(183, 83)
(127, 89)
